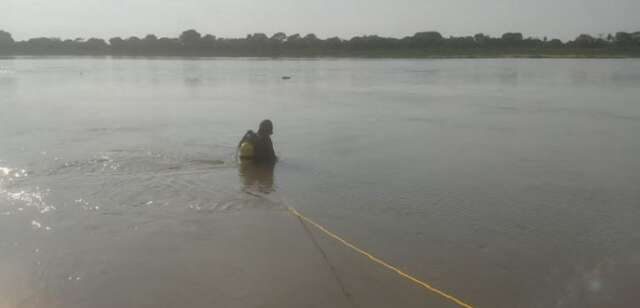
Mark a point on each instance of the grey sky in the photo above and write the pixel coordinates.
(345, 18)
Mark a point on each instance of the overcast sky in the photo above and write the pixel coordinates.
(563, 19)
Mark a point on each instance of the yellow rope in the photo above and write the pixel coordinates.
(376, 260)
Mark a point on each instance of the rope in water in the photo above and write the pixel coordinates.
(380, 262)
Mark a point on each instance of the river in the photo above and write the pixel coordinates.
(507, 182)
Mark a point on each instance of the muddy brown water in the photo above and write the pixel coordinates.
(508, 183)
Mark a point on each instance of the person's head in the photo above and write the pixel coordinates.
(265, 128)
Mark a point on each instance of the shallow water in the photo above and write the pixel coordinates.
(510, 183)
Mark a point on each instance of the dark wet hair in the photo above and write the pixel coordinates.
(266, 127)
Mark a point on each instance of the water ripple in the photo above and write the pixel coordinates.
(17, 200)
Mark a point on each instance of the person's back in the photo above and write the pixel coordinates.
(258, 146)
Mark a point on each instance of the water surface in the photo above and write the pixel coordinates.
(510, 183)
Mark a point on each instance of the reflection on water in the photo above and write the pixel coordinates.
(26, 201)
(257, 176)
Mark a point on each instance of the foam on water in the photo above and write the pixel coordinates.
(140, 180)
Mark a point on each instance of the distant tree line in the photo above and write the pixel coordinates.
(192, 43)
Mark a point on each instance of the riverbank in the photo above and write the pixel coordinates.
(377, 54)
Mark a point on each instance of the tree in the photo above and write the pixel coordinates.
(333, 43)
(191, 42)
(466, 42)
(48, 46)
(95, 45)
(149, 44)
(512, 39)
(150, 38)
(480, 39)
(279, 37)
(258, 37)
(512, 36)
(256, 43)
(133, 45)
(584, 41)
(428, 36)
(427, 39)
(310, 37)
(554, 43)
(208, 42)
(636, 38)
(294, 41)
(293, 37)
(531, 42)
(623, 39)
(190, 38)
(117, 44)
(311, 40)
(168, 46)
(6, 41)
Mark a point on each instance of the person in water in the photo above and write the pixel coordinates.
(258, 147)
